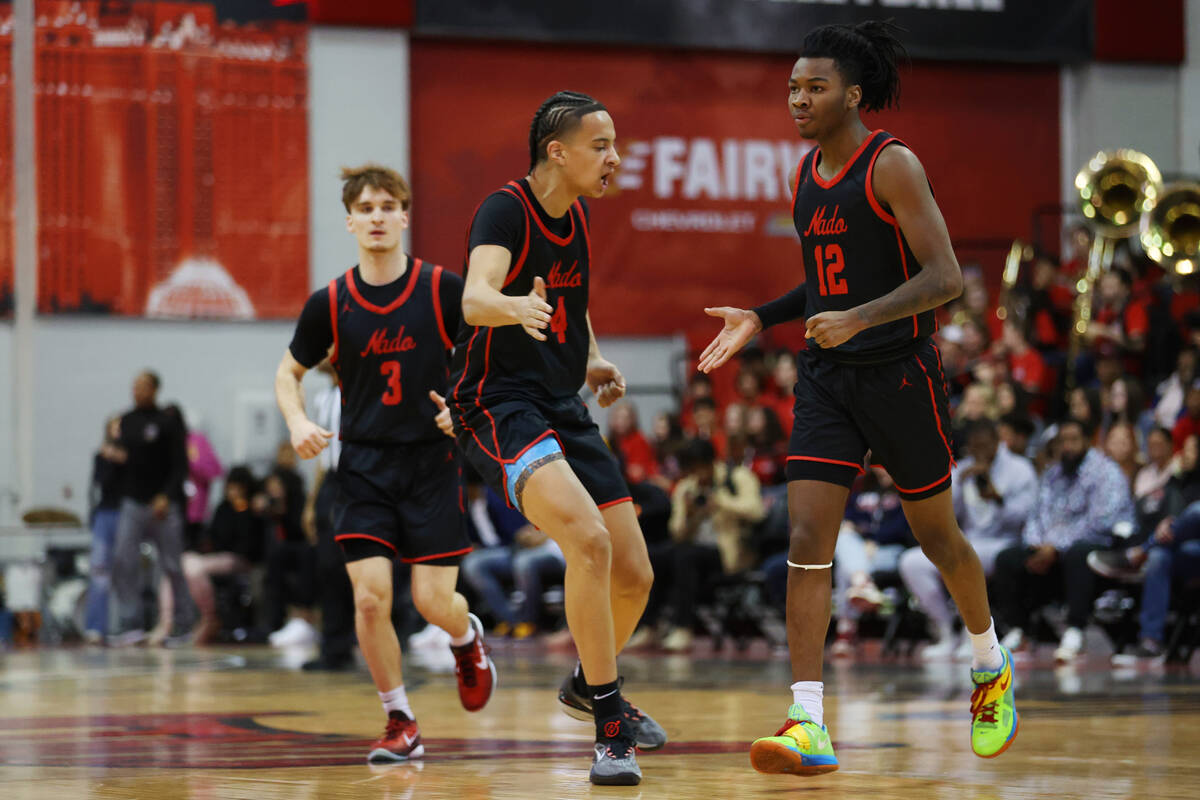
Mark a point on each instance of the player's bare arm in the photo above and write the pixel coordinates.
(484, 304)
(308, 437)
(603, 377)
(899, 182)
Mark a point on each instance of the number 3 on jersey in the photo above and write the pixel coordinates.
(558, 322)
(391, 370)
(829, 266)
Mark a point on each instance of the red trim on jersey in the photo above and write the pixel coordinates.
(532, 212)
(587, 237)
(937, 418)
(845, 167)
(414, 271)
(515, 269)
(876, 206)
(333, 319)
(437, 308)
(902, 490)
(487, 358)
(611, 503)
(418, 560)
(858, 467)
(342, 536)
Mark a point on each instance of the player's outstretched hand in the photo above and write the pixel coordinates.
(831, 328)
(605, 381)
(533, 310)
(443, 416)
(740, 327)
(309, 438)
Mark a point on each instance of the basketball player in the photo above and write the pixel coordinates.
(524, 350)
(387, 322)
(878, 261)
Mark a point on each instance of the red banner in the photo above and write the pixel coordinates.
(701, 212)
(172, 162)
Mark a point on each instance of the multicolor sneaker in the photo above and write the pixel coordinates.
(475, 670)
(614, 762)
(401, 741)
(993, 710)
(799, 747)
(577, 703)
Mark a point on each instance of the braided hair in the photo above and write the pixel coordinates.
(866, 55)
(558, 115)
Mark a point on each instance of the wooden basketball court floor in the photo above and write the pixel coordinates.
(242, 723)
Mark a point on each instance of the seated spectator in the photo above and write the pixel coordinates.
(1171, 391)
(626, 440)
(976, 405)
(699, 387)
(780, 394)
(288, 586)
(513, 552)
(1083, 405)
(105, 499)
(1119, 321)
(766, 448)
(872, 536)
(1025, 364)
(1151, 480)
(1080, 499)
(1121, 445)
(232, 544)
(668, 440)
(1167, 548)
(1124, 401)
(713, 510)
(1188, 423)
(203, 469)
(705, 424)
(748, 386)
(994, 492)
(1016, 432)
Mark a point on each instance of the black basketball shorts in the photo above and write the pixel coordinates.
(401, 501)
(507, 439)
(898, 410)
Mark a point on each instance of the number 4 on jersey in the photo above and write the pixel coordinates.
(558, 322)
(830, 263)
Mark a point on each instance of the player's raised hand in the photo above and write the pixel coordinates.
(309, 438)
(831, 328)
(605, 381)
(443, 416)
(533, 312)
(740, 327)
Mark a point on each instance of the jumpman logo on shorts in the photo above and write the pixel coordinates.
(904, 382)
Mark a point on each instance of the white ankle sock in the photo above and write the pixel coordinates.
(809, 695)
(986, 648)
(396, 700)
(466, 638)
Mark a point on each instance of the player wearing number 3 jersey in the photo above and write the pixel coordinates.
(385, 326)
(877, 261)
(524, 350)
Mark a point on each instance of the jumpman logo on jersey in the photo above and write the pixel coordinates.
(346, 308)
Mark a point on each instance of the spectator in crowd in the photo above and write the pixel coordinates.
(231, 545)
(626, 440)
(513, 552)
(699, 387)
(1083, 406)
(872, 536)
(976, 405)
(780, 396)
(713, 509)
(1152, 479)
(1080, 499)
(1121, 445)
(705, 424)
(1119, 321)
(1016, 432)
(1171, 391)
(334, 594)
(1125, 402)
(1051, 304)
(291, 560)
(152, 487)
(994, 492)
(668, 440)
(765, 445)
(105, 500)
(203, 469)
(1170, 550)
(748, 386)
(1025, 364)
(1188, 423)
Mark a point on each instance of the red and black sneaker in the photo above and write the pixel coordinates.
(401, 741)
(475, 670)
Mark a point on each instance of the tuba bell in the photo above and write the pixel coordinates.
(1170, 230)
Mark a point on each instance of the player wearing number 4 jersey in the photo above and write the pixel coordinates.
(523, 353)
(386, 326)
(877, 261)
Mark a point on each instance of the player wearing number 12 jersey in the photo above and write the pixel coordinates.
(877, 261)
(385, 325)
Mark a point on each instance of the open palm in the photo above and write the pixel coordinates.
(740, 327)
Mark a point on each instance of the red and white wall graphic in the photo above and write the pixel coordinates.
(700, 212)
(172, 161)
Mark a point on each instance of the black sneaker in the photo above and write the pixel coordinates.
(577, 703)
(1115, 565)
(614, 761)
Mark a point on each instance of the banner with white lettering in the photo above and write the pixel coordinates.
(700, 211)
(1000, 30)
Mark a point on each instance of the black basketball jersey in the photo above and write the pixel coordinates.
(389, 357)
(855, 252)
(506, 360)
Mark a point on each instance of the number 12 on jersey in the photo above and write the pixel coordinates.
(830, 263)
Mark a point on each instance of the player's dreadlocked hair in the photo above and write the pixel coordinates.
(866, 54)
(554, 118)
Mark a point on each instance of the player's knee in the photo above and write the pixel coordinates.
(371, 603)
(634, 578)
(591, 543)
(804, 541)
(430, 601)
(947, 550)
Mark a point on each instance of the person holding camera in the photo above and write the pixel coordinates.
(713, 508)
(994, 492)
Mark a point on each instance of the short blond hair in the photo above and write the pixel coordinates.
(377, 176)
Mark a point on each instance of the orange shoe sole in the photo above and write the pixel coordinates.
(774, 758)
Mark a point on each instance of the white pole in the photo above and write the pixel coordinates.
(25, 235)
